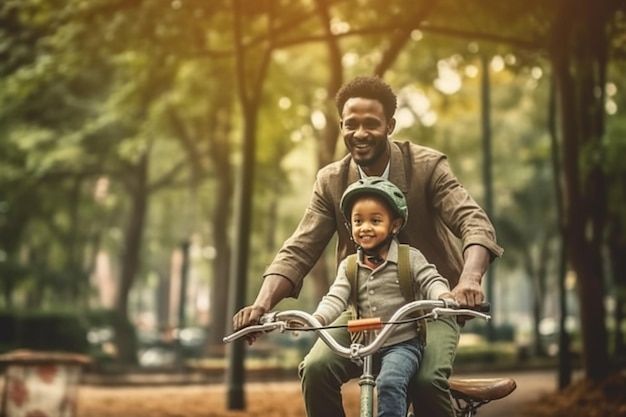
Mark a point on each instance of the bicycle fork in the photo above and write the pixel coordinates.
(367, 384)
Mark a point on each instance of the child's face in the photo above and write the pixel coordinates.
(372, 222)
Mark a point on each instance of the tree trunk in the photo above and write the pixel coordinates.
(220, 224)
(617, 249)
(250, 79)
(578, 61)
(124, 331)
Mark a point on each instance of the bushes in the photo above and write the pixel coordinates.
(502, 333)
(49, 331)
(503, 353)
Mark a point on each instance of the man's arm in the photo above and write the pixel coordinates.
(461, 214)
(468, 291)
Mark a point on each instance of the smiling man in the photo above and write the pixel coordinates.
(446, 225)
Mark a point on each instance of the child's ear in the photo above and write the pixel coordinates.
(395, 226)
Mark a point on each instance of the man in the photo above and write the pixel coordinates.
(442, 214)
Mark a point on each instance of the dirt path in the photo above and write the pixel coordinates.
(269, 399)
(262, 399)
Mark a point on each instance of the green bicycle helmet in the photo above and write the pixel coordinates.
(377, 186)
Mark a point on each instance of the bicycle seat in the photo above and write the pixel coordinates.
(482, 389)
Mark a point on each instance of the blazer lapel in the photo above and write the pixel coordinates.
(353, 172)
(397, 172)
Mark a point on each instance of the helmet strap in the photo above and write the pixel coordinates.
(373, 254)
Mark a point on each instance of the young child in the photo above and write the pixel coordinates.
(375, 210)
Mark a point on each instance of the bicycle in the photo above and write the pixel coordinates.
(468, 394)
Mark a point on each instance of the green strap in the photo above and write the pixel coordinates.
(351, 272)
(404, 273)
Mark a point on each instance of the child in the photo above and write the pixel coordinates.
(375, 210)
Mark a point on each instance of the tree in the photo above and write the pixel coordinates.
(579, 51)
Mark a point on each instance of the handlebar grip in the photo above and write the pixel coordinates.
(358, 325)
(482, 308)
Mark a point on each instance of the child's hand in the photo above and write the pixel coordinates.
(449, 300)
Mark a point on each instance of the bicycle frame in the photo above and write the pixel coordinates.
(361, 354)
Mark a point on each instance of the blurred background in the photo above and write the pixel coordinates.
(155, 154)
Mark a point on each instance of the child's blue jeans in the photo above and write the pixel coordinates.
(398, 365)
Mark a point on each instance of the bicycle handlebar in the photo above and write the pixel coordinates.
(434, 308)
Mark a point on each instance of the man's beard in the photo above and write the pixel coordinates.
(379, 146)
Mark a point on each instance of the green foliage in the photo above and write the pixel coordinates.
(502, 333)
(101, 317)
(45, 331)
(614, 147)
(90, 90)
(10, 331)
(487, 353)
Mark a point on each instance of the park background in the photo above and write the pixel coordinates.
(154, 155)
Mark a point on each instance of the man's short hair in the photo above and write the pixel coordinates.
(368, 87)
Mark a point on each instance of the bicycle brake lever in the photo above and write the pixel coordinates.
(265, 327)
(473, 313)
(438, 311)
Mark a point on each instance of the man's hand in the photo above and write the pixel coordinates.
(468, 292)
(248, 316)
